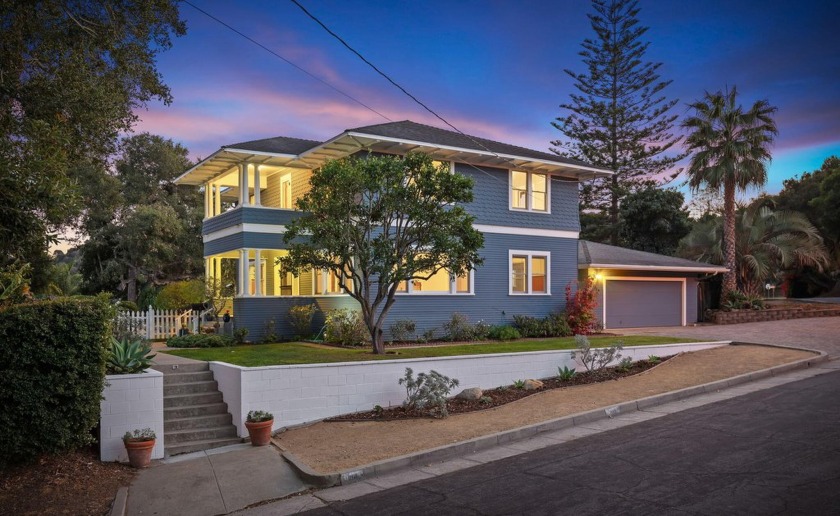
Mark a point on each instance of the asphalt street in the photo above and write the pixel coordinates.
(776, 451)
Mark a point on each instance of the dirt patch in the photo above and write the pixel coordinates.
(332, 447)
(73, 483)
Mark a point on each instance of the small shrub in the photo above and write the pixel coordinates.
(595, 359)
(458, 327)
(300, 319)
(565, 374)
(146, 434)
(429, 335)
(519, 384)
(259, 416)
(580, 307)
(239, 335)
(554, 325)
(485, 400)
(345, 327)
(200, 340)
(129, 356)
(625, 364)
(503, 332)
(653, 359)
(403, 330)
(270, 333)
(131, 306)
(427, 392)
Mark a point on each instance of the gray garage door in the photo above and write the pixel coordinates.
(632, 304)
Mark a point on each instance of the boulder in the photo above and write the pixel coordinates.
(472, 393)
(532, 385)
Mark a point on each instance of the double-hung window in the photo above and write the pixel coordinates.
(529, 272)
(440, 283)
(529, 191)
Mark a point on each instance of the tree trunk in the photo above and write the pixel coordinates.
(729, 281)
(131, 285)
(614, 212)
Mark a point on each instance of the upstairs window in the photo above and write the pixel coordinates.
(528, 191)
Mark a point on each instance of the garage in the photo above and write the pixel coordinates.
(633, 303)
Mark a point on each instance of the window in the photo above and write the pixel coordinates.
(440, 283)
(529, 272)
(529, 191)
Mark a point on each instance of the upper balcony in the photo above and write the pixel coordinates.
(250, 218)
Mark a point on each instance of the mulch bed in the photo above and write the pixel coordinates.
(72, 483)
(501, 395)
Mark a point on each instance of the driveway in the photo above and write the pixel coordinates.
(820, 333)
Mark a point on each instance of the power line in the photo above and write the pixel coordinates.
(275, 54)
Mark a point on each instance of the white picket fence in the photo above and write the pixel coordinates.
(159, 324)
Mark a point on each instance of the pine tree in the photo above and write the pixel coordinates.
(620, 118)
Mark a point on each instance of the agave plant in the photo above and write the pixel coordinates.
(129, 356)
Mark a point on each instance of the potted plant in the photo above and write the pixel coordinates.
(139, 445)
(259, 423)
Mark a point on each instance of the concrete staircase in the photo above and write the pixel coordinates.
(195, 417)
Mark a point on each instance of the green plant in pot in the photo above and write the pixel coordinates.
(259, 423)
(139, 445)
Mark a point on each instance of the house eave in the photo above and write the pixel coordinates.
(653, 268)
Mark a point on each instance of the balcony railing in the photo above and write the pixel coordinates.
(249, 215)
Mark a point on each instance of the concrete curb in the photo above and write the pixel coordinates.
(488, 441)
(120, 502)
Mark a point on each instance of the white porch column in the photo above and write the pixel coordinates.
(256, 185)
(207, 200)
(217, 199)
(243, 289)
(257, 273)
(244, 199)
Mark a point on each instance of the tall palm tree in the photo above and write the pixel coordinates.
(730, 149)
(768, 242)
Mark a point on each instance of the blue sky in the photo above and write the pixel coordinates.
(492, 68)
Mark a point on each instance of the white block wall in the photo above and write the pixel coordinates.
(298, 394)
(131, 401)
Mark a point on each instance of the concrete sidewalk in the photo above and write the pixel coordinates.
(217, 481)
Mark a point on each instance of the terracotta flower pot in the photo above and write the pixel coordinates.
(260, 433)
(139, 453)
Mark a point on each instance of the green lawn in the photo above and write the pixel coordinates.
(307, 353)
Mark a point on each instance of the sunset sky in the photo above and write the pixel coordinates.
(491, 68)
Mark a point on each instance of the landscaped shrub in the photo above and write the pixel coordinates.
(553, 325)
(738, 301)
(345, 327)
(300, 319)
(595, 359)
(239, 335)
(200, 340)
(427, 392)
(403, 330)
(52, 372)
(129, 356)
(459, 328)
(580, 307)
(503, 332)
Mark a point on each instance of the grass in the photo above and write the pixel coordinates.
(307, 353)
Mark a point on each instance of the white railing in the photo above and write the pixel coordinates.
(159, 324)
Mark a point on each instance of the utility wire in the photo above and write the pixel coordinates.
(275, 54)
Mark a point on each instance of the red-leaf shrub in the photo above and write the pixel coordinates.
(580, 307)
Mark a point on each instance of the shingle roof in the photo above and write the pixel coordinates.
(277, 145)
(408, 130)
(596, 254)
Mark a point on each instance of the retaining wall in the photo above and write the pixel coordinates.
(770, 314)
(298, 394)
(131, 401)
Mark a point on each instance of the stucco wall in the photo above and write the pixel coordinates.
(131, 402)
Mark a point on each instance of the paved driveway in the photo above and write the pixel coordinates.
(821, 333)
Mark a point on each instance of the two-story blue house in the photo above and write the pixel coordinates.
(526, 205)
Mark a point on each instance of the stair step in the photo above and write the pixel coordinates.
(190, 388)
(200, 445)
(197, 422)
(183, 400)
(197, 410)
(175, 378)
(195, 367)
(201, 434)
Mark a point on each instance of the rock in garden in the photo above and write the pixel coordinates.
(473, 393)
(532, 385)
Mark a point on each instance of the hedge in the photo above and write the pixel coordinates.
(52, 372)
(199, 340)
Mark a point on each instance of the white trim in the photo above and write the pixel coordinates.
(641, 278)
(662, 268)
(274, 229)
(530, 255)
(529, 192)
(255, 153)
(510, 230)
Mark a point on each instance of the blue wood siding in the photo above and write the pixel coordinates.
(246, 215)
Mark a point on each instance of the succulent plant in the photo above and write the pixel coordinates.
(129, 356)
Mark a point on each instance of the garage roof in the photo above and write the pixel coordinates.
(593, 255)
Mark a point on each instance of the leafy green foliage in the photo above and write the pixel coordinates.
(458, 328)
(595, 359)
(300, 319)
(620, 118)
(199, 340)
(381, 220)
(654, 359)
(180, 294)
(625, 364)
(146, 434)
(403, 330)
(129, 356)
(519, 384)
(654, 220)
(565, 374)
(74, 76)
(738, 301)
(428, 391)
(259, 416)
(580, 307)
(239, 335)
(553, 325)
(52, 372)
(14, 283)
(345, 327)
(730, 151)
(503, 332)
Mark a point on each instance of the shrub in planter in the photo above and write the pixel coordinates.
(345, 327)
(428, 391)
(52, 372)
(200, 340)
(139, 445)
(259, 423)
(554, 325)
(504, 333)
